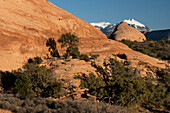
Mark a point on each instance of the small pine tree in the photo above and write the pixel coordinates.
(69, 40)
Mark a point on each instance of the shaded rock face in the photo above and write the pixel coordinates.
(124, 31)
(25, 26)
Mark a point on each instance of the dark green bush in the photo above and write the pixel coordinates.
(38, 60)
(35, 60)
(74, 52)
(23, 86)
(94, 56)
(92, 82)
(37, 81)
(84, 57)
(164, 76)
(158, 49)
(123, 86)
(127, 42)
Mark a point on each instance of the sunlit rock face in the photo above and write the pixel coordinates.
(124, 31)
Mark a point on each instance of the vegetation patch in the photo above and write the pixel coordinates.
(158, 49)
(17, 104)
(84, 57)
(36, 81)
(121, 85)
(70, 41)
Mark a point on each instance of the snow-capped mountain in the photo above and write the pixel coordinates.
(134, 22)
(107, 27)
(141, 27)
(101, 25)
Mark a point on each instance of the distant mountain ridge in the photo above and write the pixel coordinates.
(158, 34)
(107, 27)
(102, 25)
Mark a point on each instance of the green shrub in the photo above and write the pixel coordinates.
(38, 60)
(123, 86)
(35, 60)
(158, 49)
(37, 81)
(75, 53)
(94, 56)
(127, 42)
(92, 81)
(84, 57)
(22, 85)
(53, 89)
(164, 76)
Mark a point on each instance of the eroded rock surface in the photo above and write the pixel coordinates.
(25, 26)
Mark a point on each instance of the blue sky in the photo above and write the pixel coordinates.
(153, 13)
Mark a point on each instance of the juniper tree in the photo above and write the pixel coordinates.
(69, 40)
(37, 81)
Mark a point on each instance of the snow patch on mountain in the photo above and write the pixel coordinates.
(101, 25)
(134, 22)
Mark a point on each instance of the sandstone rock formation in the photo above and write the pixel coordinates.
(25, 26)
(124, 31)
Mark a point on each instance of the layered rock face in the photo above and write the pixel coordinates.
(25, 26)
(124, 31)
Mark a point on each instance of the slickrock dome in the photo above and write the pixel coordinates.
(25, 26)
(124, 31)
